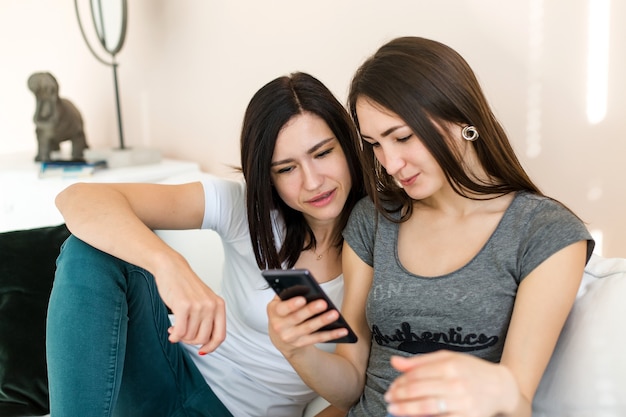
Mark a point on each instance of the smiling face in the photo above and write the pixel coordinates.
(309, 169)
(400, 151)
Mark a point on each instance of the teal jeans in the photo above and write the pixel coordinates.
(107, 347)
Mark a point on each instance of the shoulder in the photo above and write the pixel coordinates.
(361, 229)
(533, 209)
(528, 201)
(535, 227)
(218, 186)
(225, 204)
(363, 214)
(364, 205)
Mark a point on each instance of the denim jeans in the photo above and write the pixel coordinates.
(107, 347)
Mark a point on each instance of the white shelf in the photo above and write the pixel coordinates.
(27, 201)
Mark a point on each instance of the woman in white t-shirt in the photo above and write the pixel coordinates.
(111, 349)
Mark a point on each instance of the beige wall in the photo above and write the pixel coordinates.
(189, 67)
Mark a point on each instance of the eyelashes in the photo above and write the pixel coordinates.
(319, 155)
(376, 144)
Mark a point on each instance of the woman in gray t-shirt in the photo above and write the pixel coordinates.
(459, 273)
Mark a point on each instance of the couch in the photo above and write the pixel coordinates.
(586, 376)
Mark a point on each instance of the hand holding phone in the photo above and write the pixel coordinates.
(288, 283)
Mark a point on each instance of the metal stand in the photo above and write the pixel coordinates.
(117, 103)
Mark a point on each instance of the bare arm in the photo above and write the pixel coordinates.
(104, 214)
(119, 218)
(471, 386)
(543, 301)
(341, 378)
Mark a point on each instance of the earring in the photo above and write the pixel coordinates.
(470, 133)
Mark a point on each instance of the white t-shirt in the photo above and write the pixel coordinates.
(247, 373)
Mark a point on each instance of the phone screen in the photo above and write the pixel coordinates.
(288, 283)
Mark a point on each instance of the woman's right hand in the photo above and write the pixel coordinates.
(293, 329)
(200, 316)
(294, 324)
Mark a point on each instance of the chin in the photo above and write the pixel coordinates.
(332, 212)
(418, 194)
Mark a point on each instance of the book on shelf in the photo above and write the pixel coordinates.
(70, 168)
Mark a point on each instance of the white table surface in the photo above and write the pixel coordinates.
(27, 201)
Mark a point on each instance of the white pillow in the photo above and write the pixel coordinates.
(586, 376)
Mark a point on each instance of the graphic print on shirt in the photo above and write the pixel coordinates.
(454, 339)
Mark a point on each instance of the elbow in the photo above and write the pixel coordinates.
(67, 198)
(61, 200)
(346, 404)
(350, 397)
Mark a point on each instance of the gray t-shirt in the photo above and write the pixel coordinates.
(467, 310)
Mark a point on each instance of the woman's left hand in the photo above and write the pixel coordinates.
(450, 384)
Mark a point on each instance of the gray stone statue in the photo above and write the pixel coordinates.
(56, 119)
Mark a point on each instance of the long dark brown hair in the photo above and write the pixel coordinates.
(268, 111)
(422, 81)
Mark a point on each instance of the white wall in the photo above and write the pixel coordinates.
(189, 67)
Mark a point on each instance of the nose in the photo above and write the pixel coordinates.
(312, 177)
(391, 158)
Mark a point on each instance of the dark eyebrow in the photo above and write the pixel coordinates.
(313, 149)
(385, 133)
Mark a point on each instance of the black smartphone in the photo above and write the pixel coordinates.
(288, 283)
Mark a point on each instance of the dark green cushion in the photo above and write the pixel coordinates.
(27, 265)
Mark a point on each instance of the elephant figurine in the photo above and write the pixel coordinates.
(56, 119)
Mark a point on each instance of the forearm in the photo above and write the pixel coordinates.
(102, 217)
(333, 377)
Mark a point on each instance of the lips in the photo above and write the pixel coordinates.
(322, 199)
(407, 181)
